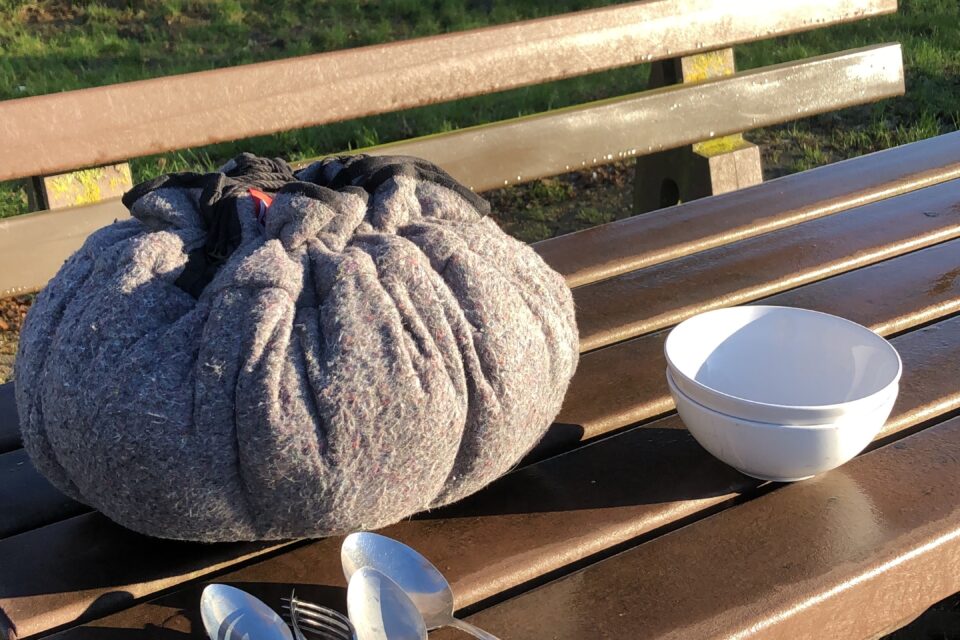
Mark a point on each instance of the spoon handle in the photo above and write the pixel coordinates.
(476, 632)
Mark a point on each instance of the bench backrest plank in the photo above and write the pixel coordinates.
(33, 247)
(57, 132)
(523, 149)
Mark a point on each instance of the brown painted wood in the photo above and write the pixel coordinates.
(624, 384)
(757, 267)
(845, 555)
(45, 240)
(539, 519)
(942, 282)
(33, 247)
(59, 132)
(86, 564)
(642, 241)
(545, 144)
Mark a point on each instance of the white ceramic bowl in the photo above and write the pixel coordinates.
(782, 365)
(780, 452)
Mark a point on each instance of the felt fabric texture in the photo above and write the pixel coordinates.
(377, 347)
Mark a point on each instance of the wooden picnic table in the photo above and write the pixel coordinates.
(619, 525)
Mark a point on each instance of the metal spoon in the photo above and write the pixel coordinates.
(229, 613)
(380, 610)
(425, 585)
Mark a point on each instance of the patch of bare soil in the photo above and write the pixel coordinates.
(12, 313)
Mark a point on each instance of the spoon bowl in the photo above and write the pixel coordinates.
(415, 575)
(229, 613)
(381, 610)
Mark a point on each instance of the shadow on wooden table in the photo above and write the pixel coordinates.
(626, 470)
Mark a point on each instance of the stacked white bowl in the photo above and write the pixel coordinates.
(781, 393)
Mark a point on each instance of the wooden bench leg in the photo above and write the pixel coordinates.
(706, 168)
(85, 186)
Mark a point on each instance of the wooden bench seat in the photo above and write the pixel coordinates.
(630, 244)
(37, 503)
(547, 517)
(611, 390)
(840, 556)
(750, 269)
(560, 513)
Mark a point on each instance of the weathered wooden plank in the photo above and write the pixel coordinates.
(624, 383)
(545, 144)
(34, 246)
(59, 132)
(850, 554)
(758, 267)
(543, 518)
(634, 243)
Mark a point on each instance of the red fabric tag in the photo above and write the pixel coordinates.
(261, 202)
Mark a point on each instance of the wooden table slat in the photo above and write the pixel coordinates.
(624, 383)
(758, 267)
(845, 555)
(652, 238)
(540, 519)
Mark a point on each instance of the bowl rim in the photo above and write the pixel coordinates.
(836, 424)
(826, 410)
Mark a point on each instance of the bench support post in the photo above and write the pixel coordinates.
(85, 186)
(706, 168)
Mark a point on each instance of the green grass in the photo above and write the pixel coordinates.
(929, 31)
(54, 46)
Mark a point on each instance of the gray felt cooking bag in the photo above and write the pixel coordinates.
(368, 346)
